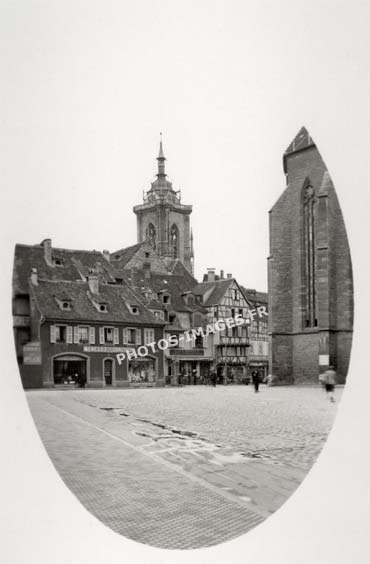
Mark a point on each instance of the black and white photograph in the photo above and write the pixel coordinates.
(184, 274)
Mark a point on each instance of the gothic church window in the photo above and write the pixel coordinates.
(309, 256)
(174, 241)
(151, 235)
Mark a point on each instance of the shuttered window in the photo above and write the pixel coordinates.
(69, 334)
(125, 336)
(115, 336)
(52, 333)
(92, 336)
(138, 337)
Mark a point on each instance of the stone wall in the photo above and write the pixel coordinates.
(295, 349)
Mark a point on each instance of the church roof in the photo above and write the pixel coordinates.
(301, 141)
(126, 254)
(174, 284)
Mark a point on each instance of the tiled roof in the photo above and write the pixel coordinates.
(301, 141)
(174, 284)
(217, 293)
(76, 264)
(117, 297)
(123, 256)
(255, 296)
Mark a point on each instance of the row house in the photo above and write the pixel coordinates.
(224, 299)
(77, 329)
(258, 360)
(165, 287)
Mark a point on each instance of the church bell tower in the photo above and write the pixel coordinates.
(163, 220)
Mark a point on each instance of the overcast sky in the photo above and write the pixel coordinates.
(89, 85)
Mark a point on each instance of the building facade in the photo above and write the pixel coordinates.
(164, 221)
(224, 299)
(309, 272)
(70, 326)
(258, 355)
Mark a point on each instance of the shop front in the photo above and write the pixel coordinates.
(187, 367)
(69, 369)
(142, 371)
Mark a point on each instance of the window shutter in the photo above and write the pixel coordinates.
(115, 336)
(239, 331)
(75, 335)
(52, 333)
(69, 334)
(92, 336)
(205, 341)
(101, 335)
(125, 336)
(138, 336)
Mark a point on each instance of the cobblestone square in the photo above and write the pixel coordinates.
(183, 467)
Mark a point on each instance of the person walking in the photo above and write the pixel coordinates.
(329, 381)
(256, 380)
(213, 378)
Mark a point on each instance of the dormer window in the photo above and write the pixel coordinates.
(58, 261)
(63, 303)
(103, 308)
(147, 254)
(166, 298)
(134, 309)
(171, 318)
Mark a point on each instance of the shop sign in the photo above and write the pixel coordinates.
(32, 353)
(93, 349)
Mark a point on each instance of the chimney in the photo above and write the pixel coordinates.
(46, 243)
(221, 274)
(211, 274)
(229, 275)
(106, 255)
(34, 277)
(147, 270)
(93, 280)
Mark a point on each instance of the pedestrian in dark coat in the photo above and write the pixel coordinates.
(255, 380)
(214, 378)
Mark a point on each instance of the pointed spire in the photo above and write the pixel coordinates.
(161, 154)
(161, 158)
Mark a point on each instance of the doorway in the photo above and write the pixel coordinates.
(108, 371)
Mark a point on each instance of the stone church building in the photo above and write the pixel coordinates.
(164, 221)
(309, 272)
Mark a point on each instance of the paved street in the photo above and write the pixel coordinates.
(183, 467)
